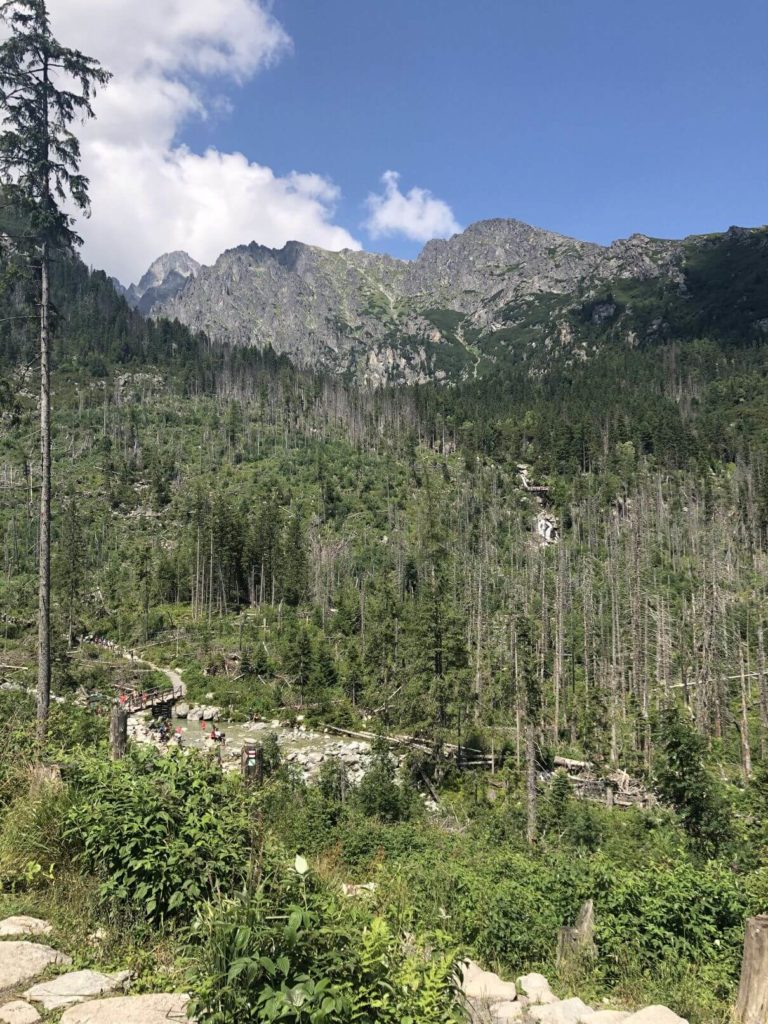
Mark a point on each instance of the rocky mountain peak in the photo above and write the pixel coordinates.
(165, 278)
(177, 262)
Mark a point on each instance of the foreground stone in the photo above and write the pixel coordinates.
(655, 1015)
(564, 1011)
(18, 1012)
(75, 988)
(479, 984)
(163, 1008)
(23, 925)
(23, 961)
(605, 1017)
(502, 1013)
(536, 987)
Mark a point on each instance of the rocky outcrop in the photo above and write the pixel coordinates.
(561, 1011)
(162, 1008)
(536, 988)
(23, 925)
(18, 1012)
(75, 988)
(390, 320)
(20, 962)
(655, 1015)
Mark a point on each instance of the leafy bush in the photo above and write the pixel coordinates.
(162, 832)
(290, 951)
(680, 915)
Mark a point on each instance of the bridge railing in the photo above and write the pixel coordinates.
(132, 701)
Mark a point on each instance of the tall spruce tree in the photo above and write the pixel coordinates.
(44, 87)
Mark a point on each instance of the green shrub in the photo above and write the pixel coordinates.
(161, 832)
(291, 951)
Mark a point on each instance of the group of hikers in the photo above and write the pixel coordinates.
(165, 733)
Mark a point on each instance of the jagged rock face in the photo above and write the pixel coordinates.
(164, 279)
(499, 259)
(463, 304)
(353, 310)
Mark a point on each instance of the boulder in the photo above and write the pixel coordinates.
(506, 1011)
(23, 961)
(163, 1008)
(605, 1017)
(210, 713)
(479, 984)
(654, 1015)
(75, 988)
(23, 925)
(181, 710)
(18, 1012)
(194, 714)
(536, 987)
(562, 1011)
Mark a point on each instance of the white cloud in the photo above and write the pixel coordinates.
(149, 193)
(416, 214)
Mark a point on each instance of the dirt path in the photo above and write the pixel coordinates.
(136, 659)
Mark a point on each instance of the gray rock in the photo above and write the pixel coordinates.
(23, 925)
(507, 1011)
(195, 714)
(536, 987)
(22, 961)
(605, 1017)
(479, 984)
(654, 1015)
(75, 988)
(164, 1008)
(565, 1011)
(181, 710)
(18, 1012)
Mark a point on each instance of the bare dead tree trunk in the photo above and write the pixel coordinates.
(118, 732)
(44, 582)
(557, 668)
(752, 1000)
(478, 646)
(530, 782)
(746, 752)
(763, 689)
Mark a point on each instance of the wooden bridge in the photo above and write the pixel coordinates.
(159, 698)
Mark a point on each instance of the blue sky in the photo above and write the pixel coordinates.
(589, 117)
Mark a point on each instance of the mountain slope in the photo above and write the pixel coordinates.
(500, 290)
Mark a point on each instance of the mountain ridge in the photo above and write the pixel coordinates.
(496, 285)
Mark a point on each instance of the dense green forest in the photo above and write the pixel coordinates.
(373, 560)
